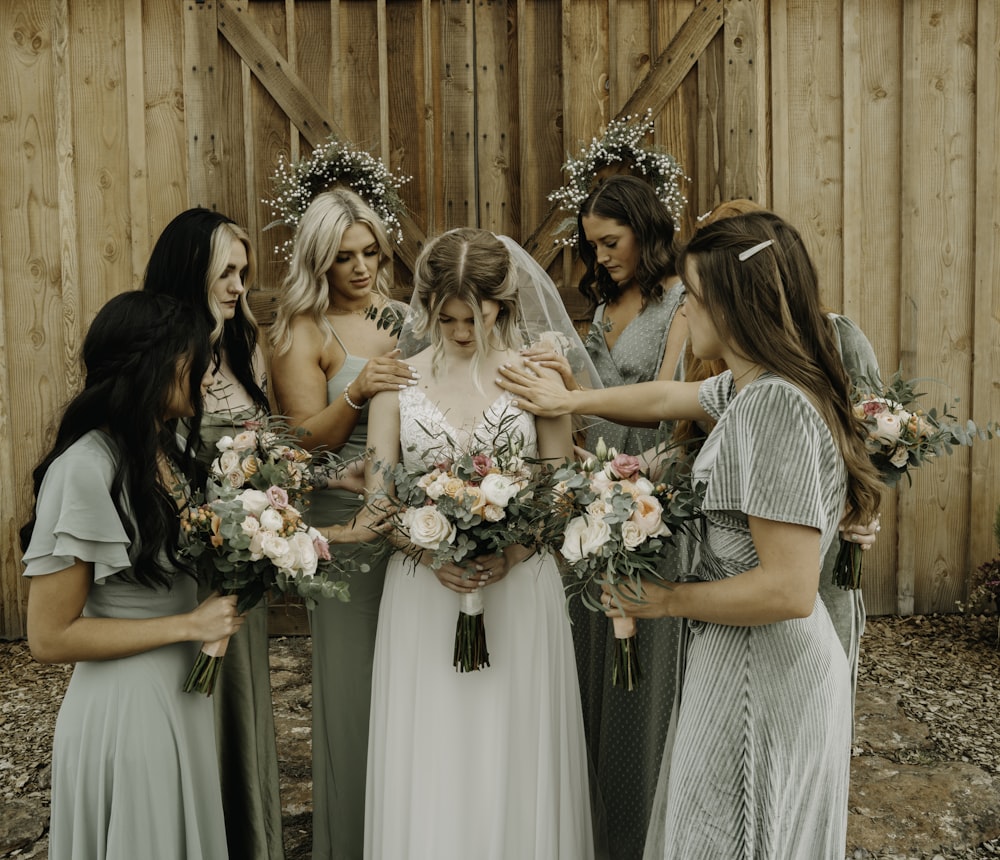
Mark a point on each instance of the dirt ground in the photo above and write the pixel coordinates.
(925, 770)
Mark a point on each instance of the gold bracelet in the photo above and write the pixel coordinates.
(351, 403)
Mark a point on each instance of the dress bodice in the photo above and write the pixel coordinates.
(335, 385)
(427, 437)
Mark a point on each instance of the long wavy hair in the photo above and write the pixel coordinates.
(767, 307)
(632, 203)
(697, 369)
(136, 348)
(190, 255)
(471, 265)
(317, 243)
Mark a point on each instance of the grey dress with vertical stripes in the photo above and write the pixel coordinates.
(760, 758)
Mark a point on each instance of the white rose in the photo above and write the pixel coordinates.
(245, 441)
(274, 547)
(648, 515)
(632, 534)
(224, 444)
(228, 461)
(887, 427)
(493, 513)
(643, 486)
(584, 536)
(254, 501)
(900, 457)
(305, 553)
(257, 546)
(600, 482)
(598, 508)
(428, 527)
(235, 479)
(437, 487)
(498, 489)
(271, 520)
(250, 526)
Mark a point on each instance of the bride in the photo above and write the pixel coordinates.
(489, 764)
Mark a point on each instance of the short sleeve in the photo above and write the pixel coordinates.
(777, 459)
(715, 393)
(75, 515)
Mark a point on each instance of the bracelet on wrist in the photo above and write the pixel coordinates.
(357, 407)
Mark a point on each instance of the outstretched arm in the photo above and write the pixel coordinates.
(544, 396)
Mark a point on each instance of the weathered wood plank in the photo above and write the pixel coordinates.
(202, 108)
(495, 120)
(458, 118)
(136, 133)
(746, 130)
(937, 285)
(986, 331)
(872, 115)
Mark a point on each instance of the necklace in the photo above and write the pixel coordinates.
(745, 372)
(358, 312)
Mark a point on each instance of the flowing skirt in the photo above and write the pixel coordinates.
(488, 764)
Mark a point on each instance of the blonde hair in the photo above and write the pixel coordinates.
(223, 236)
(316, 245)
(473, 266)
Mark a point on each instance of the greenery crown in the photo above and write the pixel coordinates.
(334, 163)
(621, 143)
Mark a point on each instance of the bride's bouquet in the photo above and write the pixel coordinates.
(615, 521)
(477, 503)
(249, 538)
(900, 436)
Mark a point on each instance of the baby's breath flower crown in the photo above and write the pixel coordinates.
(335, 163)
(621, 144)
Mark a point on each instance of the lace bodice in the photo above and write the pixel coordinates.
(427, 437)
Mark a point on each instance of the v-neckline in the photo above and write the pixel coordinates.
(455, 433)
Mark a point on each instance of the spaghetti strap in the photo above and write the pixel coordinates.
(336, 337)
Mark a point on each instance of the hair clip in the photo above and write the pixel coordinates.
(703, 216)
(749, 252)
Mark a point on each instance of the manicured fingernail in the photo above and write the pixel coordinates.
(404, 385)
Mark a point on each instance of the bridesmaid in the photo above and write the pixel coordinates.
(134, 770)
(626, 243)
(330, 358)
(760, 760)
(205, 260)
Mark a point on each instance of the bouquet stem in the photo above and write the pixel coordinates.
(847, 568)
(471, 653)
(206, 668)
(625, 670)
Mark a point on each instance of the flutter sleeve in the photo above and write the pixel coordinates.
(776, 460)
(75, 516)
(715, 393)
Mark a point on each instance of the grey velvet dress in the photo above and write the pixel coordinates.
(343, 642)
(625, 729)
(847, 607)
(134, 764)
(244, 712)
(760, 759)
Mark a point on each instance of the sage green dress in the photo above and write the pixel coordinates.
(343, 637)
(626, 730)
(244, 715)
(134, 763)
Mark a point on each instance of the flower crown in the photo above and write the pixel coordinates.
(334, 163)
(622, 143)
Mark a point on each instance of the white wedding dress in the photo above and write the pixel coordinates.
(490, 764)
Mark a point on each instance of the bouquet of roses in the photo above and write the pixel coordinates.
(249, 538)
(474, 504)
(615, 521)
(900, 436)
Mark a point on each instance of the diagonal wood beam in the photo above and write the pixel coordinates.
(665, 76)
(293, 97)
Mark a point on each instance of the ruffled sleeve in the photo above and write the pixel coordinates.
(855, 351)
(75, 515)
(715, 393)
(777, 459)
